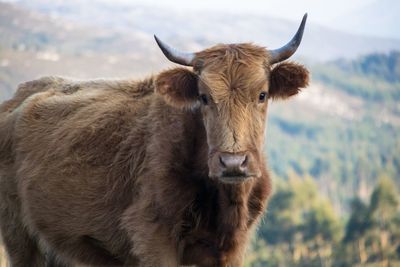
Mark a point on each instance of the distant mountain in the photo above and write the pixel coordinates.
(34, 44)
(33, 30)
(380, 18)
(196, 30)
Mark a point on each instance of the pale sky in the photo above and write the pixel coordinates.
(366, 17)
(322, 11)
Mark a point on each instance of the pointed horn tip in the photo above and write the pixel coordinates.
(158, 41)
(302, 26)
(290, 48)
(303, 21)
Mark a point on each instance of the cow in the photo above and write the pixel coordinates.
(164, 171)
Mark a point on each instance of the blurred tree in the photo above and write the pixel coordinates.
(372, 231)
(300, 224)
(384, 212)
(356, 229)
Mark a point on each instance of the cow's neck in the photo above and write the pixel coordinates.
(232, 204)
(232, 199)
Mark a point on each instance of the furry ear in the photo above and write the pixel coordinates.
(287, 79)
(178, 86)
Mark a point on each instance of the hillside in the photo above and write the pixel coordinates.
(193, 30)
(33, 44)
(347, 133)
(335, 153)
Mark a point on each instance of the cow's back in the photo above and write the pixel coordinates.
(41, 109)
(61, 137)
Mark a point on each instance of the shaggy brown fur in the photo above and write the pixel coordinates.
(111, 173)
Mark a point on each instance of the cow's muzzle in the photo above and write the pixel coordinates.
(232, 167)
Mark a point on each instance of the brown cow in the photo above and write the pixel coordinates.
(166, 171)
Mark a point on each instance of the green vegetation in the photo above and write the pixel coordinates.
(375, 77)
(344, 156)
(302, 229)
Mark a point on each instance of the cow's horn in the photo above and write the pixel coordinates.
(288, 50)
(183, 58)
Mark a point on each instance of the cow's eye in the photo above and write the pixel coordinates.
(262, 97)
(204, 99)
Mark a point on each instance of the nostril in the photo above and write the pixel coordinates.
(233, 162)
(222, 161)
(244, 163)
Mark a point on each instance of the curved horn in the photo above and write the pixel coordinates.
(288, 50)
(174, 55)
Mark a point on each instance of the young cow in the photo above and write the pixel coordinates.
(166, 171)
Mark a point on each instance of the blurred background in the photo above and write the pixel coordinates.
(334, 151)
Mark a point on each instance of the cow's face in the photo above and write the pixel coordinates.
(231, 84)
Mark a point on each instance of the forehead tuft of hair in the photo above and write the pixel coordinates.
(232, 67)
(245, 53)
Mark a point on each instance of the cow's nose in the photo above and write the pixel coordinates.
(233, 164)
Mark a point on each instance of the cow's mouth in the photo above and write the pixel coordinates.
(235, 177)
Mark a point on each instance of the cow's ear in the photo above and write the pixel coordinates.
(179, 87)
(287, 79)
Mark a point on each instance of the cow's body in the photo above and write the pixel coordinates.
(105, 168)
(162, 172)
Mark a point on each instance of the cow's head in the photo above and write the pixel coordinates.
(231, 84)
